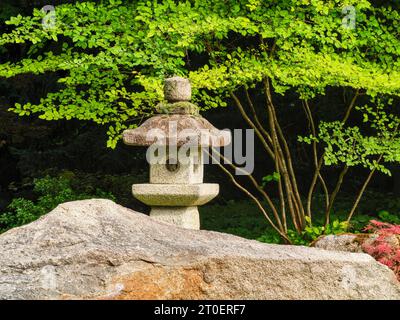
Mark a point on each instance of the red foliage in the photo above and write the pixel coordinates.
(384, 246)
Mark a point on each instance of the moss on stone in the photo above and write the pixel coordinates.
(181, 107)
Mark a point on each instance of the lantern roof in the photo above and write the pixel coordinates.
(178, 123)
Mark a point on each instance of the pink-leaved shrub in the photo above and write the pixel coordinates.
(384, 244)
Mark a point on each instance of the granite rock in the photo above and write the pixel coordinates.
(96, 249)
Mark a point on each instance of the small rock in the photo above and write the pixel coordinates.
(342, 242)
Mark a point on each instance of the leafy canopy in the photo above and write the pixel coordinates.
(113, 56)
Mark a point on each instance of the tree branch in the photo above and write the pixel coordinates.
(294, 203)
(257, 186)
(332, 198)
(320, 162)
(360, 194)
(248, 193)
(310, 118)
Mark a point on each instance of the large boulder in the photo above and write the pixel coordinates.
(96, 249)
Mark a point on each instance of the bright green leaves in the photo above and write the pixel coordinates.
(116, 53)
(312, 232)
(275, 176)
(253, 4)
(362, 146)
(115, 134)
(15, 20)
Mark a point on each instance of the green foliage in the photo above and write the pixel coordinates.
(312, 232)
(51, 192)
(270, 237)
(240, 218)
(181, 106)
(118, 185)
(350, 146)
(114, 55)
(358, 223)
(269, 178)
(387, 217)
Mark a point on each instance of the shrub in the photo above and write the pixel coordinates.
(51, 192)
(385, 245)
(312, 232)
(270, 237)
(241, 218)
(385, 216)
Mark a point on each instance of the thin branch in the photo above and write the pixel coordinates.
(269, 138)
(294, 207)
(256, 119)
(273, 153)
(292, 174)
(310, 118)
(283, 227)
(351, 106)
(320, 162)
(252, 125)
(360, 194)
(248, 193)
(279, 159)
(335, 192)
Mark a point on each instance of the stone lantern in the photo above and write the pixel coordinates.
(175, 138)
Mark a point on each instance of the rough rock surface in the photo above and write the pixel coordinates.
(352, 242)
(179, 129)
(95, 249)
(177, 89)
(342, 242)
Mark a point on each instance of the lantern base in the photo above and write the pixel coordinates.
(185, 217)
